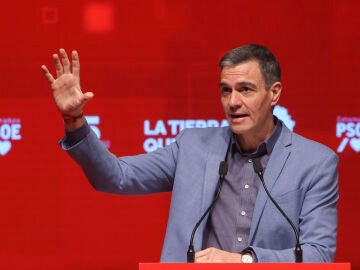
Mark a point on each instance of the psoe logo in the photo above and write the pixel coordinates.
(9, 132)
(94, 122)
(348, 130)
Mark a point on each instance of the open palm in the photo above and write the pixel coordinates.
(66, 89)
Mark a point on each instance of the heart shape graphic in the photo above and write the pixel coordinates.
(4, 147)
(355, 144)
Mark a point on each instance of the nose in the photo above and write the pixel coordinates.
(235, 100)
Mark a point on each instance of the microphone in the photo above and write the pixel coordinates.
(223, 169)
(260, 172)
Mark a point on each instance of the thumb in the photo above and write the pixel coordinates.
(86, 97)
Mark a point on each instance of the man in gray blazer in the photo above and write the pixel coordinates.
(244, 225)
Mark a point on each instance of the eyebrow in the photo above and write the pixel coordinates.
(239, 84)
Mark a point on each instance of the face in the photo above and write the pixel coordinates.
(246, 102)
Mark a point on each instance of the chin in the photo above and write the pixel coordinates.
(238, 130)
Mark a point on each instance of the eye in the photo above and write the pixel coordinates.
(245, 90)
(225, 89)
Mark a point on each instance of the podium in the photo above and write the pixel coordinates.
(244, 266)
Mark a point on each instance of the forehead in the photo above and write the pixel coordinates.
(249, 69)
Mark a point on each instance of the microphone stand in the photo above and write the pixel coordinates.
(223, 168)
(260, 172)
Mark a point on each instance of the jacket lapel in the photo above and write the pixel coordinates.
(216, 154)
(273, 170)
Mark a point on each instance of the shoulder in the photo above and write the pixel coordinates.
(204, 134)
(312, 145)
(305, 146)
(213, 139)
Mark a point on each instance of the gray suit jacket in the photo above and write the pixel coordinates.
(301, 175)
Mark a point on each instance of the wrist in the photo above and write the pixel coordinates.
(247, 258)
(73, 122)
(251, 251)
(71, 119)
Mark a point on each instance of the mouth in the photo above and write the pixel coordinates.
(237, 116)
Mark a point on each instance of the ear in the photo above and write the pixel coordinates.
(275, 92)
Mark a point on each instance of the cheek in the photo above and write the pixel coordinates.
(263, 103)
(252, 105)
(224, 101)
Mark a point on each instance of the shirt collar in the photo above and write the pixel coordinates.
(265, 147)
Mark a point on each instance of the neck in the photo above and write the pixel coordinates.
(250, 142)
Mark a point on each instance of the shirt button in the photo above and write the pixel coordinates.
(246, 186)
(239, 239)
(249, 160)
(243, 213)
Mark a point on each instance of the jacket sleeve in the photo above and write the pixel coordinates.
(130, 175)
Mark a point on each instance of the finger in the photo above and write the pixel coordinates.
(58, 66)
(65, 61)
(201, 253)
(202, 259)
(75, 64)
(47, 74)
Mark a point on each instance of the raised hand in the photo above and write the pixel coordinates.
(66, 89)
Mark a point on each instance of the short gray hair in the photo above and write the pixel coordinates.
(269, 65)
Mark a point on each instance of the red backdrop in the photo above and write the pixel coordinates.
(154, 60)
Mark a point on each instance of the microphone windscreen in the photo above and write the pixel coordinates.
(223, 168)
(257, 166)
